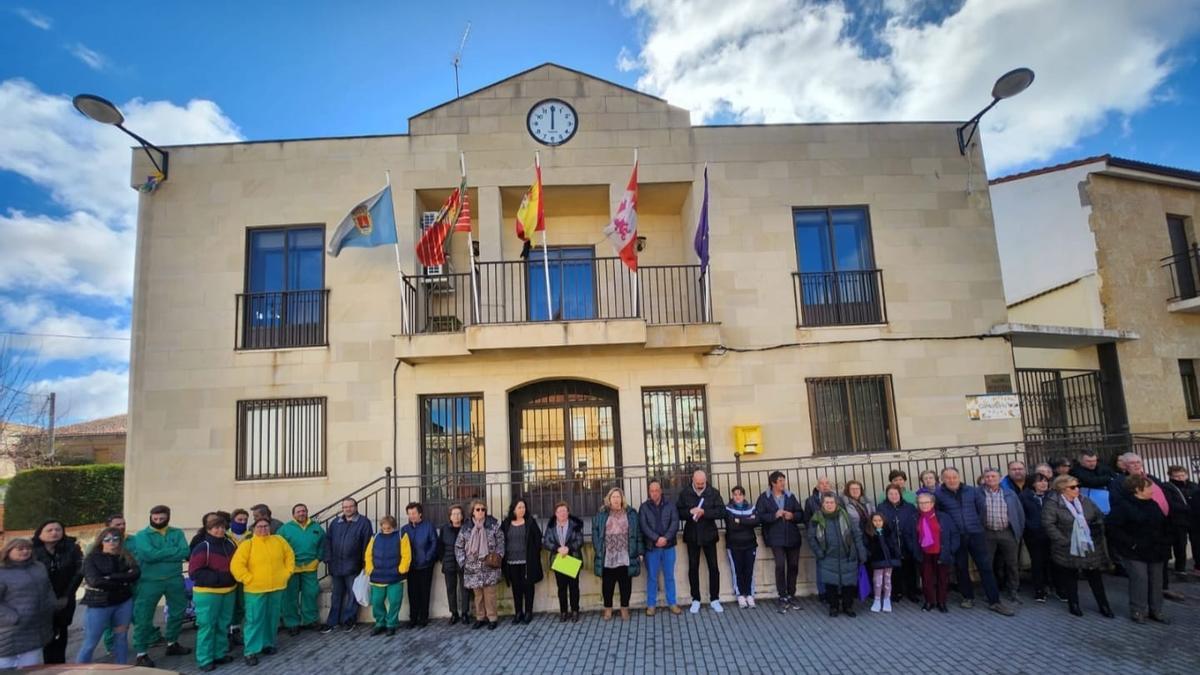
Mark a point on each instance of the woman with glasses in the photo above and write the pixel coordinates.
(214, 592)
(109, 573)
(480, 553)
(1075, 528)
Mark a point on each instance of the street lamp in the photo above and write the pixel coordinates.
(103, 111)
(1010, 84)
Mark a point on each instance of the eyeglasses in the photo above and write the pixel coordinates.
(1073, 487)
(110, 539)
(480, 510)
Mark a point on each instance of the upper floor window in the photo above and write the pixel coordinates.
(285, 300)
(837, 282)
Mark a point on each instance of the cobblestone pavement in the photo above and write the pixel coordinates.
(1040, 637)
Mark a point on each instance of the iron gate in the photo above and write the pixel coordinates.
(1060, 405)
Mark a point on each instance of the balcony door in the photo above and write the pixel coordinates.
(566, 443)
(283, 305)
(572, 283)
(838, 281)
(1181, 253)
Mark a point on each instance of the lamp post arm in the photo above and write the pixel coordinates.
(973, 123)
(147, 146)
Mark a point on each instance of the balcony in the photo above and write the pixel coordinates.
(592, 301)
(852, 298)
(1184, 271)
(282, 320)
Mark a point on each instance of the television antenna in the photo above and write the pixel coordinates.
(458, 58)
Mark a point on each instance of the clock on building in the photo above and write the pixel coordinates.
(552, 121)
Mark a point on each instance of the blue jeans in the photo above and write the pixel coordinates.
(343, 607)
(660, 559)
(976, 545)
(96, 620)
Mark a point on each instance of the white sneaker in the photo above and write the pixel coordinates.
(750, 601)
(875, 606)
(741, 601)
(716, 606)
(695, 607)
(887, 604)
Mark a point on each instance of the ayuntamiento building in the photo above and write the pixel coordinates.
(849, 307)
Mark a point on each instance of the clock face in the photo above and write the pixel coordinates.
(552, 122)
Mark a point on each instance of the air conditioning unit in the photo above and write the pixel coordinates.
(428, 218)
(436, 270)
(448, 323)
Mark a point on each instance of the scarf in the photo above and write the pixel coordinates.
(1081, 534)
(1160, 498)
(930, 531)
(477, 545)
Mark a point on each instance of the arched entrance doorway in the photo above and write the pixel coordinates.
(565, 440)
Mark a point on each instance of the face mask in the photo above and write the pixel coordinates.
(238, 528)
(163, 526)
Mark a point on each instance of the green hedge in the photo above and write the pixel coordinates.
(76, 495)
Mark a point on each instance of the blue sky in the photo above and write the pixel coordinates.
(1117, 77)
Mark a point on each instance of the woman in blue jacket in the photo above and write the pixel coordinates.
(1036, 540)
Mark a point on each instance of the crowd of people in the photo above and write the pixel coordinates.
(249, 575)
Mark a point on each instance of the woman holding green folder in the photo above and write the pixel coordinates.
(564, 538)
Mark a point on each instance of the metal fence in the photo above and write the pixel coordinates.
(839, 298)
(1184, 271)
(581, 289)
(282, 319)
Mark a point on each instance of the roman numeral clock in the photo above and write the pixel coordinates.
(552, 122)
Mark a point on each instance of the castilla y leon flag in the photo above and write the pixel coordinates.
(431, 249)
(622, 231)
(530, 217)
(370, 223)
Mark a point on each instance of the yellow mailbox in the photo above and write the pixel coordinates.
(747, 440)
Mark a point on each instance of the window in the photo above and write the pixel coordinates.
(1191, 391)
(572, 283)
(285, 301)
(452, 451)
(852, 414)
(675, 421)
(837, 283)
(281, 438)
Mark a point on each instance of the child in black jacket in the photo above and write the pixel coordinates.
(883, 555)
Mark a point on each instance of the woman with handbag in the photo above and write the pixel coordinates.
(480, 553)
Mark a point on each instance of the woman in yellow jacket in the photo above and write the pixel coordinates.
(388, 557)
(263, 563)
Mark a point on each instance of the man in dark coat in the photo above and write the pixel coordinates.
(659, 522)
(700, 507)
(345, 545)
(967, 507)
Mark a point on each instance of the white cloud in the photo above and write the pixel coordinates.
(110, 341)
(787, 61)
(35, 18)
(76, 254)
(90, 57)
(101, 393)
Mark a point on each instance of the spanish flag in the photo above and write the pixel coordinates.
(530, 217)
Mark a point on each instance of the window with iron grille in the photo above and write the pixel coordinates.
(452, 450)
(675, 421)
(852, 414)
(1191, 390)
(281, 438)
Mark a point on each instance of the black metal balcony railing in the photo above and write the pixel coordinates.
(850, 298)
(581, 289)
(1184, 270)
(282, 319)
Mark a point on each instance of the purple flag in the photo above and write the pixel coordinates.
(702, 229)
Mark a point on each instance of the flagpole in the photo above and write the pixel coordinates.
(462, 166)
(637, 297)
(399, 271)
(537, 164)
(706, 264)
